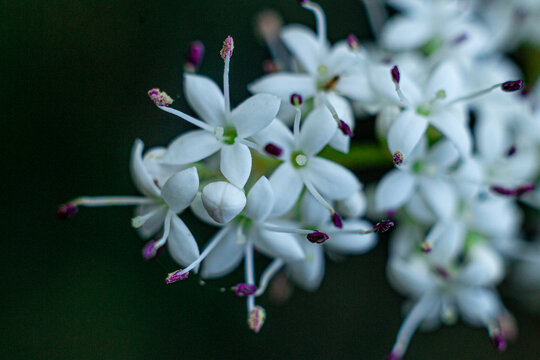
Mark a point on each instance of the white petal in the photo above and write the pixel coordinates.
(447, 238)
(417, 208)
(287, 186)
(492, 138)
(317, 130)
(308, 273)
(205, 97)
(154, 223)
(477, 304)
(439, 196)
(332, 180)
(235, 163)
(278, 245)
(181, 188)
(411, 277)
(190, 147)
(443, 154)
(283, 85)
(406, 132)
(260, 200)
(352, 243)
(313, 213)
(452, 125)
(353, 206)
(447, 77)
(254, 114)
(340, 141)
(278, 134)
(198, 209)
(141, 177)
(394, 189)
(181, 244)
(484, 268)
(223, 201)
(401, 33)
(153, 162)
(303, 44)
(225, 257)
(355, 87)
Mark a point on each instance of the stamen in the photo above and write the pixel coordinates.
(189, 119)
(160, 98)
(317, 237)
(332, 110)
(520, 190)
(66, 211)
(205, 253)
(194, 56)
(345, 129)
(226, 53)
(273, 150)
(296, 100)
(249, 273)
(396, 78)
(287, 230)
(317, 195)
(498, 340)
(398, 157)
(336, 220)
(245, 289)
(150, 250)
(166, 229)
(112, 201)
(523, 189)
(353, 42)
(256, 318)
(511, 86)
(268, 274)
(139, 221)
(320, 19)
(511, 151)
(176, 276)
(383, 226)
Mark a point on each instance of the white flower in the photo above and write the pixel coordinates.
(222, 129)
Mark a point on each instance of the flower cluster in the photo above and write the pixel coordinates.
(255, 171)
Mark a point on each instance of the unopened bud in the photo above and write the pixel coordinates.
(223, 201)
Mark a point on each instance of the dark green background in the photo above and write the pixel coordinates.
(75, 76)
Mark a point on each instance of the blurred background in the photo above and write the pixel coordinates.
(75, 76)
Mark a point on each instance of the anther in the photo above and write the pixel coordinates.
(426, 247)
(194, 56)
(336, 220)
(395, 75)
(273, 150)
(383, 226)
(227, 49)
(511, 86)
(397, 157)
(317, 237)
(160, 98)
(66, 211)
(353, 42)
(256, 318)
(176, 276)
(245, 289)
(296, 100)
(345, 128)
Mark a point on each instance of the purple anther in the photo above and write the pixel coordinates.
(383, 226)
(503, 191)
(160, 98)
(498, 341)
(317, 237)
(523, 189)
(345, 128)
(442, 272)
(459, 39)
(296, 99)
(66, 211)
(395, 75)
(397, 157)
(393, 356)
(195, 53)
(336, 220)
(511, 151)
(245, 289)
(353, 42)
(149, 250)
(511, 86)
(176, 276)
(426, 247)
(273, 150)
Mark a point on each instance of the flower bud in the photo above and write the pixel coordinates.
(223, 201)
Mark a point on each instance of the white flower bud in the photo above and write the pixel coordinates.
(353, 206)
(223, 201)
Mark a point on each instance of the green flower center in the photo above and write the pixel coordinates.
(229, 134)
(299, 159)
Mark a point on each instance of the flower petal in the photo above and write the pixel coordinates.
(317, 130)
(406, 132)
(235, 164)
(287, 185)
(410, 277)
(451, 123)
(181, 244)
(439, 196)
(154, 223)
(332, 180)
(352, 243)
(254, 114)
(447, 238)
(260, 200)
(283, 85)
(485, 267)
(141, 177)
(181, 188)
(313, 213)
(205, 97)
(393, 190)
(402, 33)
(308, 273)
(279, 134)
(190, 147)
(477, 304)
(278, 245)
(225, 257)
(303, 44)
(340, 141)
